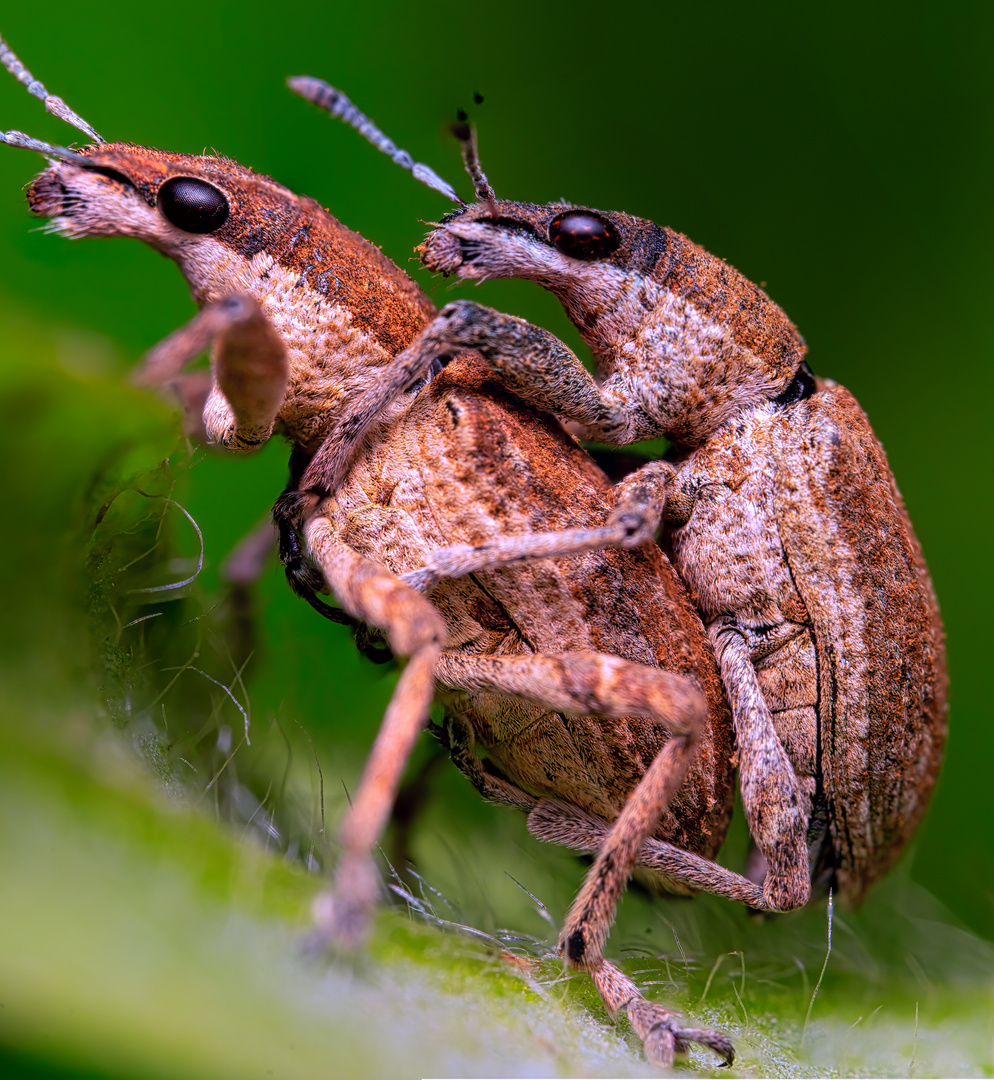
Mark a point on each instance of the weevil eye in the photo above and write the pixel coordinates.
(583, 235)
(192, 205)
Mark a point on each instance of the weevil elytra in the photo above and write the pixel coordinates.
(584, 670)
(785, 522)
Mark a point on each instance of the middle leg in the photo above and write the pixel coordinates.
(556, 821)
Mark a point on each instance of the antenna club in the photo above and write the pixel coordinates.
(318, 92)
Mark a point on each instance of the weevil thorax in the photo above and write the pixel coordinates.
(645, 299)
(342, 307)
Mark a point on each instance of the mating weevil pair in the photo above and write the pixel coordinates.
(588, 677)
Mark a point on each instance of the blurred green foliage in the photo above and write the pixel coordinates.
(841, 154)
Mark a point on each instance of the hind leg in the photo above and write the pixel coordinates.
(588, 683)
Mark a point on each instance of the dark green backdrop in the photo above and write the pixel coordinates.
(841, 155)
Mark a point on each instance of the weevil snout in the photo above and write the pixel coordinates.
(443, 251)
(67, 188)
(506, 239)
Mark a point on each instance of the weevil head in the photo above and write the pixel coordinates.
(686, 336)
(209, 214)
(341, 306)
(549, 244)
(231, 230)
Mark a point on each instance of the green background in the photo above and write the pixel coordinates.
(841, 154)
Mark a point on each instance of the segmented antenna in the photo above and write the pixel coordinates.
(55, 105)
(466, 135)
(25, 142)
(320, 93)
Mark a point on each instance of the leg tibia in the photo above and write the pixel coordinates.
(589, 920)
(250, 369)
(776, 807)
(415, 629)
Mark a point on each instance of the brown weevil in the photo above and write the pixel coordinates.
(784, 520)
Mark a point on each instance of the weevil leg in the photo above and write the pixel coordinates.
(776, 807)
(327, 468)
(595, 683)
(639, 505)
(774, 802)
(540, 369)
(608, 686)
(249, 365)
(559, 822)
(415, 630)
(495, 789)
(532, 363)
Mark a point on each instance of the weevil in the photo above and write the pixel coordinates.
(784, 521)
(557, 635)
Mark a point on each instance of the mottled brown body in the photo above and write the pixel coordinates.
(584, 673)
(467, 464)
(798, 534)
(787, 526)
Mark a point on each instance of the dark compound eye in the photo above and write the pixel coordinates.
(583, 235)
(192, 205)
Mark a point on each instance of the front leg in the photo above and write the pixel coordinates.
(249, 366)
(532, 363)
(538, 368)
